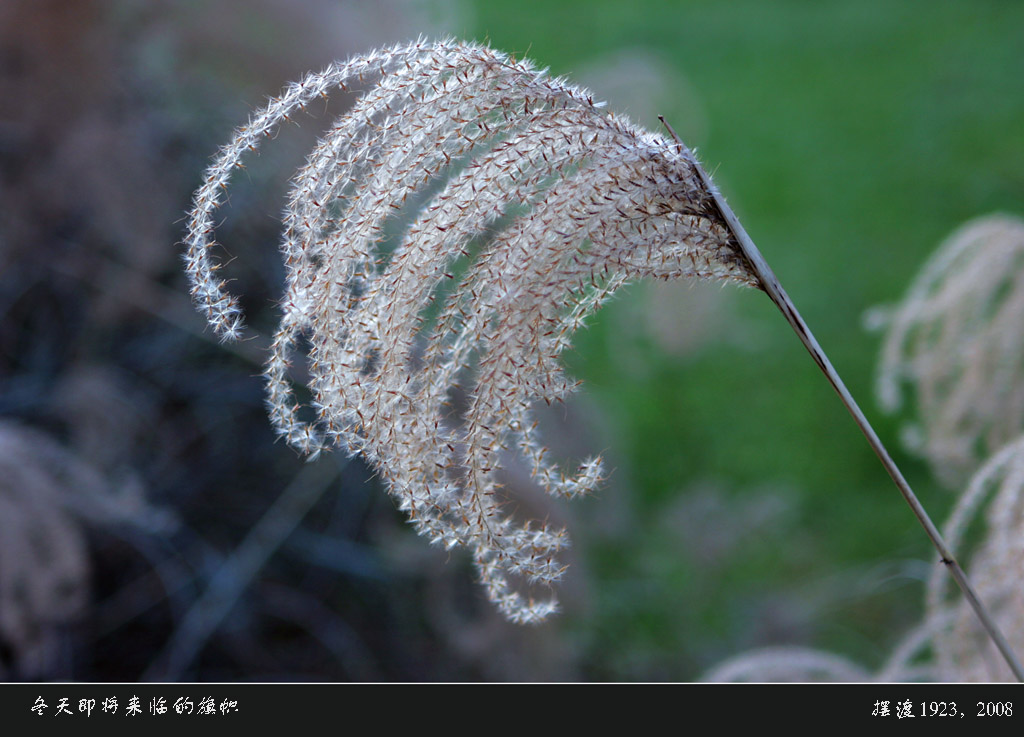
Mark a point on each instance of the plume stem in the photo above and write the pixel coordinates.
(770, 284)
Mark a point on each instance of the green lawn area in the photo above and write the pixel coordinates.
(850, 138)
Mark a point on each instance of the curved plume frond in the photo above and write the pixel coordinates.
(521, 206)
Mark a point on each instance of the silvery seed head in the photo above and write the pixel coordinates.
(520, 206)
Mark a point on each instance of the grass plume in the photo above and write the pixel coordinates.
(522, 205)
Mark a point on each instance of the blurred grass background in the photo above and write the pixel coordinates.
(744, 508)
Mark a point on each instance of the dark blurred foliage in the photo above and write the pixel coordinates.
(111, 110)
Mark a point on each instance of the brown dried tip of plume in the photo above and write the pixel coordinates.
(521, 206)
(958, 339)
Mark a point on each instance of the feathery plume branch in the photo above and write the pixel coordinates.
(522, 206)
(588, 201)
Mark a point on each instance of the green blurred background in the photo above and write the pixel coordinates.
(744, 509)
